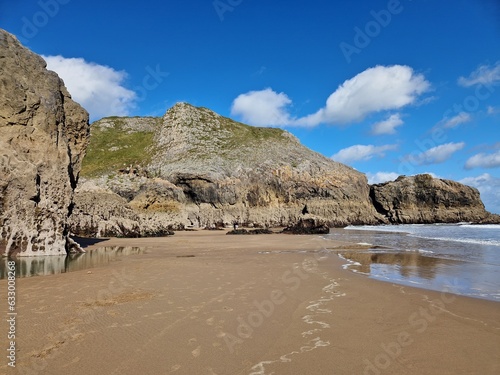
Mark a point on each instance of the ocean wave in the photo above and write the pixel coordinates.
(481, 226)
(478, 234)
(421, 251)
(462, 240)
(402, 228)
(410, 228)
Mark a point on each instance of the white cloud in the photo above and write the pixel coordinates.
(489, 187)
(436, 155)
(483, 160)
(361, 153)
(387, 126)
(98, 88)
(453, 122)
(262, 108)
(484, 74)
(376, 89)
(379, 177)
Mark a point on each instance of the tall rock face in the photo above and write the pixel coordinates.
(43, 137)
(260, 175)
(193, 167)
(424, 199)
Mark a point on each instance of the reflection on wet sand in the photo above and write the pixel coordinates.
(407, 264)
(51, 265)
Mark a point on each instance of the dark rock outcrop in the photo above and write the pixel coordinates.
(423, 199)
(43, 137)
(308, 225)
(251, 231)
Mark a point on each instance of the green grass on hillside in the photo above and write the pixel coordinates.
(116, 147)
(247, 133)
(111, 149)
(242, 134)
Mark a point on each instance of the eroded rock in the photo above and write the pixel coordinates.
(423, 199)
(200, 168)
(308, 225)
(43, 137)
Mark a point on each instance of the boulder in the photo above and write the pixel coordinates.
(308, 225)
(251, 231)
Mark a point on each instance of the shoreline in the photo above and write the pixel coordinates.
(204, 302)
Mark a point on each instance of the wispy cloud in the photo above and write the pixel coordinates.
(377, 89)
(260, 71)
(454, 121)
(484, 74)
(361, 153)
(387, 126)
(436, 155)
(98, 88)
(483, 160)
(492, 110)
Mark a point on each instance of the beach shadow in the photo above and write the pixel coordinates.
(86, 242)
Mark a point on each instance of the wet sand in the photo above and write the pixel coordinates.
(206, 303)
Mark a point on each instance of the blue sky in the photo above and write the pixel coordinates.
(388, 87)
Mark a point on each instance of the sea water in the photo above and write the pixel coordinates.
(463, 258)
(56, 264)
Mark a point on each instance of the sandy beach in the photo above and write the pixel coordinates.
(206, 303)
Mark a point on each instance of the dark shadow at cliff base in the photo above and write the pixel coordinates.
(86, 242)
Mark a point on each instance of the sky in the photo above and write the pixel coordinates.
(391, 88)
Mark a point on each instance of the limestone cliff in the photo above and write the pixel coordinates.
(193, 167)
(43, 137)
(423, 199)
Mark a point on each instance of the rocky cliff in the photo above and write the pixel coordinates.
(423, 199)
(43, 137)
(193, 167)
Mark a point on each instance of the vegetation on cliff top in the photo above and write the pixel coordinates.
(119, 142)
(115, 145)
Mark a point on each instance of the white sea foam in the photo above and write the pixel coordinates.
(351, 263)
(316, 307)
(310, 332)
(481, 226)
(425, 251)
(476, 234)
(472, 241)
